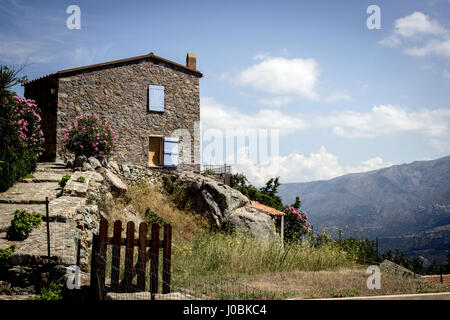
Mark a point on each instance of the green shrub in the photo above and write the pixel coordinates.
(5, 255)
(21, 137)
(81, 179)
(63, 181)
(22, 224)
(53, 292)
(151, 217)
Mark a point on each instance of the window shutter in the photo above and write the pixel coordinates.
(170, 152)
(155, 98)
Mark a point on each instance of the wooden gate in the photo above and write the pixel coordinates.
(99, 256)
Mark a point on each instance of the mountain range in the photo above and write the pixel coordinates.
(405, 206)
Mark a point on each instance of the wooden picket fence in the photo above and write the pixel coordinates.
(100, 245)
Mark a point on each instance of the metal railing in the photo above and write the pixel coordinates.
(216, 169)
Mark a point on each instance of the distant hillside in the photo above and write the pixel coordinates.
(390, 203)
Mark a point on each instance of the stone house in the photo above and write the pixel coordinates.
(152, 104)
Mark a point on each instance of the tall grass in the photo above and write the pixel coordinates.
(237, 253)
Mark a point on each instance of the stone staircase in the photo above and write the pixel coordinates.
(29, 194)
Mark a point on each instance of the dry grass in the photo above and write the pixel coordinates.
(223, 254)
(232, 266)
(344, 282)
(185, 225)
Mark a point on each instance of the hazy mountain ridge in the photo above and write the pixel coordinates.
(388, 203)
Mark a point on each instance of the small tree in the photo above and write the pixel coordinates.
(296, 223)
(297, 203)
(90, 136)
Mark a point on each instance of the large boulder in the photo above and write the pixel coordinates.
(116, 186)
(251, 220)
(94, 163)
(215, 200)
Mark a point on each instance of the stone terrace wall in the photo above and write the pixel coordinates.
(120, 94)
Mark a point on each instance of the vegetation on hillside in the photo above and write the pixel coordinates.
(297, 227)
(223, 265)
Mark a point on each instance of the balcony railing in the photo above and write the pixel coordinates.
(216, 169)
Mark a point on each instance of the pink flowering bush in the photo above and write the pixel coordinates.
(21, 137)
(296, 223)
(28, 124)
(90, 136)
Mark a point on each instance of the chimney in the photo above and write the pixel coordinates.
(191, 61)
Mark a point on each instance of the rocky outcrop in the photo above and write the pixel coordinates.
(222, 205)
(216, 201)
(250, 220)
(394, 268)
(116, 186)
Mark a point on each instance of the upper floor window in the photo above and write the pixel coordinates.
(155, 98)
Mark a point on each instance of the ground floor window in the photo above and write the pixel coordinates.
(162, 151)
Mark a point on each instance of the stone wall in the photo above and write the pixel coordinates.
(119, 93)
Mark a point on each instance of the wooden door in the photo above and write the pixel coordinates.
(154, 151)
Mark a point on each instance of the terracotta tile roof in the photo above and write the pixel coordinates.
(267, 209)
(437, 278)
(146, 56)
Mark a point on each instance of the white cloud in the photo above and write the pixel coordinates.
(417, 23)
(297, 167)
(338, 96)
(388, 120)
(283, 76)
(218, 116)
(368, 165)
(276, 101)
(380, 121)
(435, 46)
(20, 51)
(392, 41)
(419, 36)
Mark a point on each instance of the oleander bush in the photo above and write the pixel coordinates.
(21, 137)
(90, 136)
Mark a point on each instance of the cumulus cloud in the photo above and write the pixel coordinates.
(282, 76)
(417, 23)
(435, 46)
(218, 116)
(388, 120)
(420, 36)
(297, 167)
(380, 121)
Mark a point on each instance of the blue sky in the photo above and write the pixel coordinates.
(344, 98)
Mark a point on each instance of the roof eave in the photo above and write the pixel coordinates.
(150, 55)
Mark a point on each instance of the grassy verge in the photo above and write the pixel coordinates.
(343, 282)
(233, 266)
